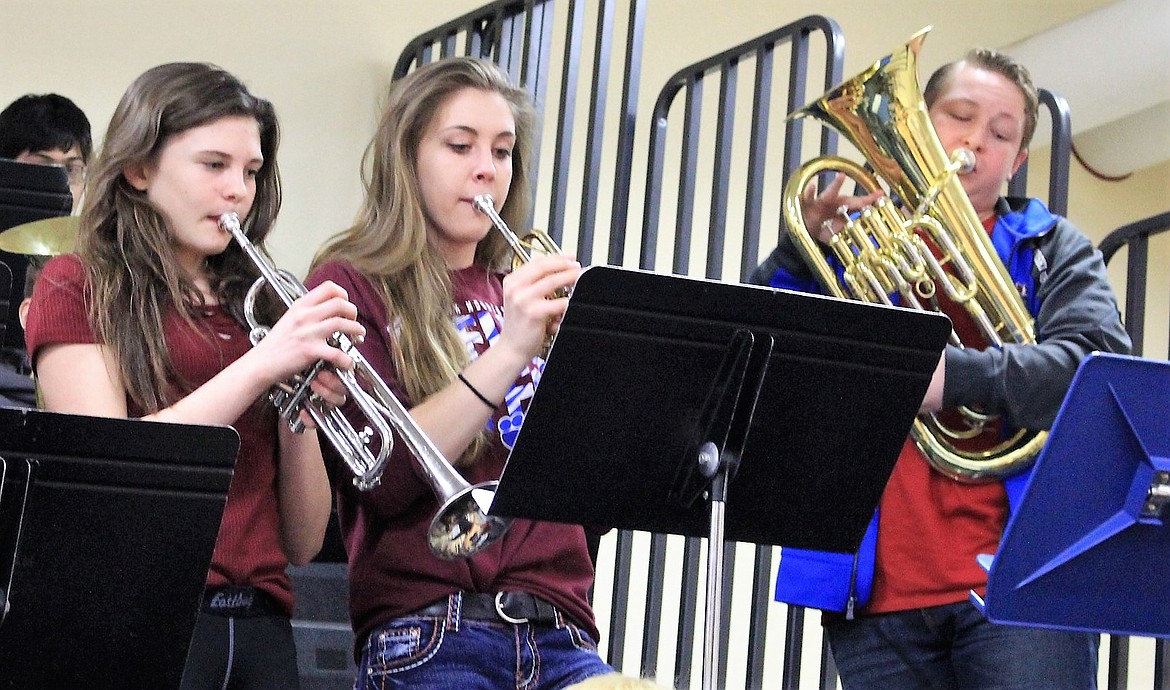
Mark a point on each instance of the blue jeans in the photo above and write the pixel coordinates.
(444, 652)
(955, 646)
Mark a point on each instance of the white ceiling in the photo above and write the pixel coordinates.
(1113, 67)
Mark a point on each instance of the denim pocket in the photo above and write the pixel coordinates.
(579, 637)
(401, 645)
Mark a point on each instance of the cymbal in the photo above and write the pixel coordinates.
(46, 237)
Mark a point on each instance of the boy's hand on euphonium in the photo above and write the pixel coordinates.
(531, 312)
(824, 212)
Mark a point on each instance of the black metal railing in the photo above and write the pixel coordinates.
(718, 177)
(1058, 155)
(1135, 239)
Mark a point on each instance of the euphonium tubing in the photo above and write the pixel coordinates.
(461, 527)
(882, 113)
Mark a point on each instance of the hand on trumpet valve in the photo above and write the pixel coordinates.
(828, 210)
(305, 335)
(326, 390)
(532, 312)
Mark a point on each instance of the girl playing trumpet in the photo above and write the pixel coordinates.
(145, 320)
(458, 341)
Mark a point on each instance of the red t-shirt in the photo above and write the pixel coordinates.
(932, 527)
(248, 549)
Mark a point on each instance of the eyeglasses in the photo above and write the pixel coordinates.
(75, 172)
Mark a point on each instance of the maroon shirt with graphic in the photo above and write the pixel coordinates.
(391, 569)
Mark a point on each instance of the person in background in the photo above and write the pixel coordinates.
(897, 612)
(458, 342)
(146, 320)
(48, 129)
(17, 388)
(45, 129)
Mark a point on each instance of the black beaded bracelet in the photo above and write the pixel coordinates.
(491, 405)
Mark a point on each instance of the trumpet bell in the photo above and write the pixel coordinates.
(462, 526)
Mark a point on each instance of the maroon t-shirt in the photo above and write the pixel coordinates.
(248, 549)
(391, 569)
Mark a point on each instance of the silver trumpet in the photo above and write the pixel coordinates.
(535, 242)
(462, 526)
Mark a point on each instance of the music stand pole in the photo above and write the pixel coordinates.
(728, 413)
(712, 466)
(16, 516)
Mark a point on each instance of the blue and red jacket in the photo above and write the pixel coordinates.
(1064, 285)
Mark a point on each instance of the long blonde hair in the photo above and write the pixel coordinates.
(388, 242)
(133, 275)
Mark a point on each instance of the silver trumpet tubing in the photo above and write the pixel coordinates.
(523, 248)
(461, 526)
(535, 242)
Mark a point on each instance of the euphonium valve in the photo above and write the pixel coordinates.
(461, 526)
(884, 250)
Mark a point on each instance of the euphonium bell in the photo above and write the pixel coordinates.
(45, 237)
(881, 112)
(461, 527)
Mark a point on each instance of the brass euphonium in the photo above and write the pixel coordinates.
(461, 526)
(523, 248)
(881, 111)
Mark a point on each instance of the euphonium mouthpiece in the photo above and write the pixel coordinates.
(966, 160)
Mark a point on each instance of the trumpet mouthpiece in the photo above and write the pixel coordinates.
(228, 221)
(484, 203)
(966, 160)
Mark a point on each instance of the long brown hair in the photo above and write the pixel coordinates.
(133, 275)
(388, 241)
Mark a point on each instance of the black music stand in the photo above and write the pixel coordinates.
(106, 532)
(700, 408)
(28, 192)
(1086, 548)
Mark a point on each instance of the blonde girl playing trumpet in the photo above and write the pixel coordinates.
(458, 340)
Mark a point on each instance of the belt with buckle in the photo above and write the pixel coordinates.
(510, 607)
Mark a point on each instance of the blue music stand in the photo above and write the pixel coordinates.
(1087, 547)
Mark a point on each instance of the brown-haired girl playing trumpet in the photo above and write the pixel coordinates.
(145, 320)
